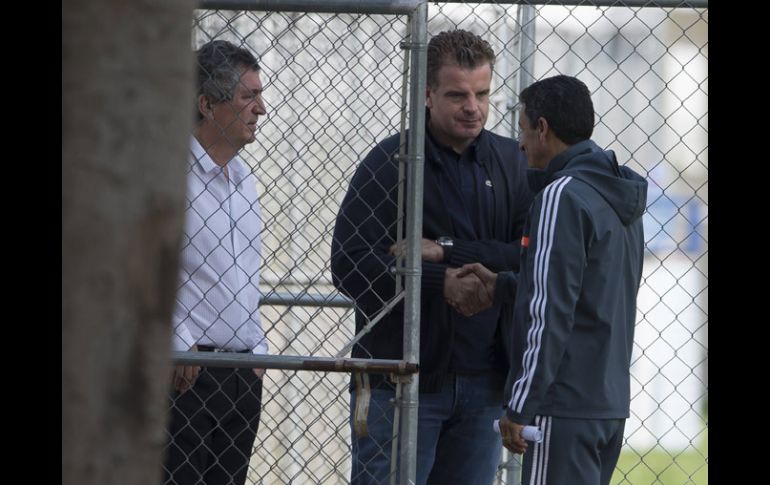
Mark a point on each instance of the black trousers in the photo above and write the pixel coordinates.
(212, 428)
(573, 451)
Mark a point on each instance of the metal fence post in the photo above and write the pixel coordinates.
(526, 20)
(418, 37)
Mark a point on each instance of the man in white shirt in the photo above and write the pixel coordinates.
(215, 411)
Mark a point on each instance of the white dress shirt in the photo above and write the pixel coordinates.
(218, 295)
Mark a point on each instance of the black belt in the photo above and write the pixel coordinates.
(208, 348)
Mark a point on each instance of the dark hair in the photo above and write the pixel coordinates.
(457, 47)
(565, 102)
(220, 66)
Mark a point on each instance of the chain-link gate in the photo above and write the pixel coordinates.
(335, 84)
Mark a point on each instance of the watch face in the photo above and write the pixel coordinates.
(444, 241)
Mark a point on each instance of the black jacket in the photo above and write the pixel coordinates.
(582, 255)
(366, 228)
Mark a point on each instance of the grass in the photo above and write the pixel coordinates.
(660, 467)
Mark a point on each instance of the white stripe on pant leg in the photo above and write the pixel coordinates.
(535, 459)
(546, 428)
(540, 457)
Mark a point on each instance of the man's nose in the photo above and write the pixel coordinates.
(259, 107)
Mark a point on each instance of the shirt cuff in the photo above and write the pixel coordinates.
(261, 347)
(182, 340)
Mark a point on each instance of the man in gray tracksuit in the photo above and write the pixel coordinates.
(575, 305)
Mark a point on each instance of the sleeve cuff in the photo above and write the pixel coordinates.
(448, 252)
(183, 342)
(261, 347)
(463, 252)
(433, 277)
(505, 287)
(518, 417)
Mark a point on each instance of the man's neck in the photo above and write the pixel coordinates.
(457, 146)
(216, 146)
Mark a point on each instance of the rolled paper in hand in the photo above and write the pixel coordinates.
(529, 433)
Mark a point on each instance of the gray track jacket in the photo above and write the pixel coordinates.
(581, 266)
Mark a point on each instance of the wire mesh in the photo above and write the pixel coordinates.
(333, 86)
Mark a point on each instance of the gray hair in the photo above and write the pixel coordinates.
(220, 66)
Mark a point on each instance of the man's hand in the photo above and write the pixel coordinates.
(259, 372)
(510, 432)
(430, 251)
(185, 375)
(488, 278)
(467, 295)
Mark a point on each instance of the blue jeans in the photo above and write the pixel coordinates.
(456, 443)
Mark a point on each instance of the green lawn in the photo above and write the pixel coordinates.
(659, 467)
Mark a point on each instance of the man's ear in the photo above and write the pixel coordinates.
(543, 128)
(204, 107)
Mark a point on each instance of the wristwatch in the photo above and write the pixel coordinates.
(446, 244)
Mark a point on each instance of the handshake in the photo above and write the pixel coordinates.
(468, 289)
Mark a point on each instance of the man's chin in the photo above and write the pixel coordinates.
(470, 132)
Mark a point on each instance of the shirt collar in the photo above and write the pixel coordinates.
(469, 152)
(236, 165)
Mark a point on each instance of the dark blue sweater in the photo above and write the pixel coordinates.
(366, 228)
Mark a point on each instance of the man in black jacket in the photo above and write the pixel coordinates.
(475, 202)
(581, 266)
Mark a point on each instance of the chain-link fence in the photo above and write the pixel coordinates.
(334, 87)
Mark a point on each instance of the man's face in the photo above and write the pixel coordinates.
(459, 105)
(530, 142)
(237, 118)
